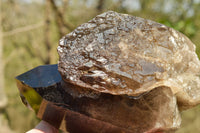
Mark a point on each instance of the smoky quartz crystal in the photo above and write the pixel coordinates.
(121, 54)
(116, 74)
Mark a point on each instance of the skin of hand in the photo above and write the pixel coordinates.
(44, 127)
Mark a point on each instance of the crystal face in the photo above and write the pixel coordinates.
(122, 54)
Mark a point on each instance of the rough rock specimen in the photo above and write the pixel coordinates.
(119, 54)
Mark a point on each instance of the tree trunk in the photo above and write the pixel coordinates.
(3, 99)
(65, 5)
(47, 32)
(62, 25)
(100, 5)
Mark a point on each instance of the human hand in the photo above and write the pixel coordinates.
(44, 127)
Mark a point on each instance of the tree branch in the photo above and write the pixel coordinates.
(100, 5)
(23, 29)
(60, 20)
(47, 32)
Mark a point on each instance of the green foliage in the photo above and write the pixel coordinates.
(185, 26)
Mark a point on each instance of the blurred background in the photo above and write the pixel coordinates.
(30, 31)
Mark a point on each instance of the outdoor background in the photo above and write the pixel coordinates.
(30, 31)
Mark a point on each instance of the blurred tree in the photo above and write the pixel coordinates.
(60, 21)
(47, 39)
(3, 99)
(65, 4)
(100, 5)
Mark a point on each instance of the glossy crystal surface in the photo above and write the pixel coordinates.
(106, 114)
